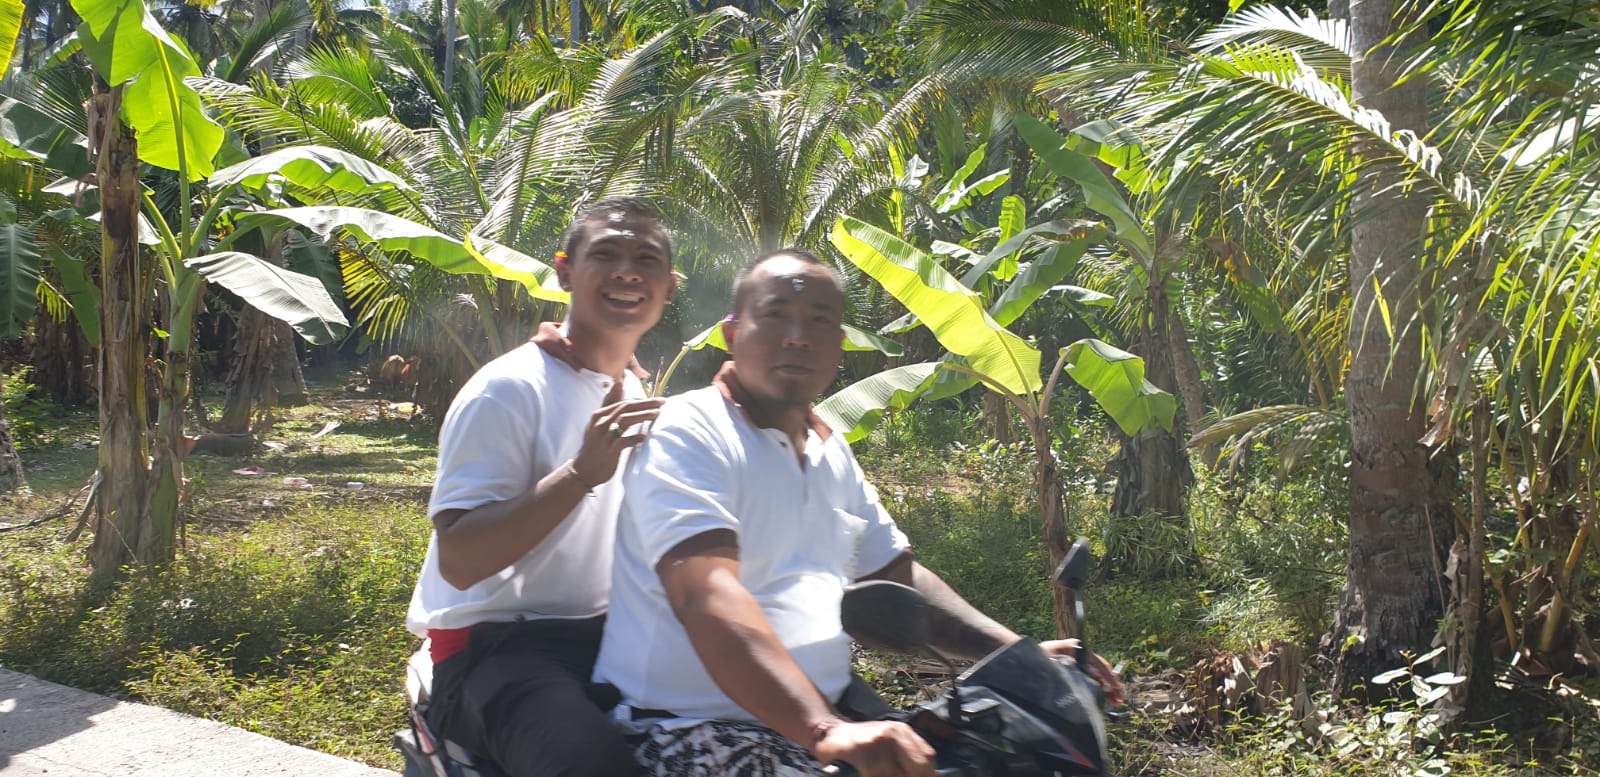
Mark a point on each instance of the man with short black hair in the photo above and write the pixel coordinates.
(514, 588)
(743, 519)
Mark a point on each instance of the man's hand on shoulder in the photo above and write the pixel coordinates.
(604, 439)
(875, 748)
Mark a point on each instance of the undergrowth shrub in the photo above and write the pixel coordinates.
(1272, 546)
(987, 550)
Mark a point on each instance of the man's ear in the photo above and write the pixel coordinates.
(562, 273)
(728, 325)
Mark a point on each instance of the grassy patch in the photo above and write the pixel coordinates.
(283, 613)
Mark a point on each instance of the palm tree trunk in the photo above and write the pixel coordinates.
(449, 43)
(122, 502)
(60, 360)
(1152, 467)
(1393, 596)
(265, 370)
(578, 22)
(11, 477)
(249, 378)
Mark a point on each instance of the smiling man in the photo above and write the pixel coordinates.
(515, 584)
(743, 519)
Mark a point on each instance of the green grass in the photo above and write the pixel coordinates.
(284, 611)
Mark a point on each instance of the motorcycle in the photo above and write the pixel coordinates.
(427, 754)
(1017, 712)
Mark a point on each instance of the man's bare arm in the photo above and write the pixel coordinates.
(959, 629)
(748, 662)
(734, 639)
(477, 543)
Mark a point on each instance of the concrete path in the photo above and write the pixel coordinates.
(50, 730)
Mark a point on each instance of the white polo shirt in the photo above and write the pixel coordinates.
(516, 420)
(805, 531)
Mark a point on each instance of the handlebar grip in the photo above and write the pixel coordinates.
(840, 769)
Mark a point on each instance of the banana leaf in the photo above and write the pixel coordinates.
(955, 314)
(854, 340)
(855, 410)
(1098, 191)
(80, 291)
(19, 273)
(299, 300)
(10, 25)
(129, 48)
(510, 264)
(310, 167)
(1115, 378)
(391, 233)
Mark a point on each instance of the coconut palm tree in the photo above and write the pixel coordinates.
(1265, 99)
(503, 156)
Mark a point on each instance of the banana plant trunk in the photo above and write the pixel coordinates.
(166, 499)
(122, 501)
(1053, 520)
(1392, 600)
(11, 477)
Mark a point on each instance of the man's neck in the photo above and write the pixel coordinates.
(603, 352)
(790, 418)
(795, 420)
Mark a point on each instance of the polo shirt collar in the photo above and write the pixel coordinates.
(727, 381)
(552, 339)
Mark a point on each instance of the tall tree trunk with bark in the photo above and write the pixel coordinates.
(265, 368)
(1393, 596)
(11, 477)
(577, 22)
(265, 372)
(60, 360)
(1152, 466)
(122, 501)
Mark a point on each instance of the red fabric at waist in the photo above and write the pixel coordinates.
(443, 643)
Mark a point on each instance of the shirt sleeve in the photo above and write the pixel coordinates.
(486, 451)
(881, 541)
(679, 485)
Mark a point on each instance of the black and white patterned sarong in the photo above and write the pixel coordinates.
(719, 748)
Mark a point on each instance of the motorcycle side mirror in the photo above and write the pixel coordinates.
(1075, 567)
(887, 616)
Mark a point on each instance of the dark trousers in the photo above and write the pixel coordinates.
(519, 695)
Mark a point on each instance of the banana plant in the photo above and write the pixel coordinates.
(145, 70)
(981, 348)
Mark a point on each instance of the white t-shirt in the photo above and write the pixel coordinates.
(804, 533)
(516, 420)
